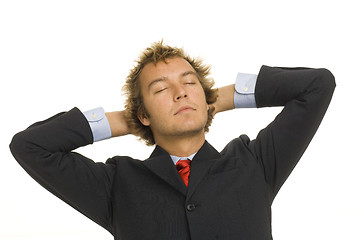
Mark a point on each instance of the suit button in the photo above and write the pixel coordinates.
(191, 207)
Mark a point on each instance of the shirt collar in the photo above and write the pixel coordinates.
(175, 159)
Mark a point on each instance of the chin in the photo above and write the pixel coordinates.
(192, 130)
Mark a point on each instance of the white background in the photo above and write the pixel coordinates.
(55, 55)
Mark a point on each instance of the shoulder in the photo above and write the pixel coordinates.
(123, 161)
(125, 167)
(238, 147)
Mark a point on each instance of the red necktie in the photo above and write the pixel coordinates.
(184, 167)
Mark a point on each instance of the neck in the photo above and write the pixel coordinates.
(181, 146)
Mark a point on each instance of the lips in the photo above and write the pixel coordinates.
(184, 109)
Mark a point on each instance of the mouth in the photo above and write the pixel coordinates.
(184, 110)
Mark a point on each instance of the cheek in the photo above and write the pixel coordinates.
(201, 99)
(157, 106)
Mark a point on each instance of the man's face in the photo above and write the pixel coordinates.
(174, 99)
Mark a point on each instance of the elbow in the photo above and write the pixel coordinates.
(327, 80)
(17, 146)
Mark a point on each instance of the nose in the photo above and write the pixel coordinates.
(181, 96)
(179, 93)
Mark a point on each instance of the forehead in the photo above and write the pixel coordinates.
(171, 67)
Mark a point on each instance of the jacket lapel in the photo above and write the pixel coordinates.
(162, 165)
(201, 162)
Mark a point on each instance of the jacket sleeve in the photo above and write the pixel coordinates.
(44, 150)
(305, 94)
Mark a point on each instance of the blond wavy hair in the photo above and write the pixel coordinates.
(134, 101)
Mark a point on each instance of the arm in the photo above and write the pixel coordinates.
(225, 100)
(239, 95)
(118, 123)
(105, 125)
(305, 94)
(44, 150)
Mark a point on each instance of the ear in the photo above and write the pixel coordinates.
(143, 118)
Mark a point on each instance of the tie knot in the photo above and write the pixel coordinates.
(183, 164)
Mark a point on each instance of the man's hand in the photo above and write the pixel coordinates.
(118, 123)
(224, 100)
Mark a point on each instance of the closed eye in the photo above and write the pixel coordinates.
(160, 90)
(190, 82)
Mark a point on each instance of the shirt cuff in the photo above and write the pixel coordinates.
(245, 87)
(98, 123)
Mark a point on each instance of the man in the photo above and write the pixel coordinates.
(227, 195)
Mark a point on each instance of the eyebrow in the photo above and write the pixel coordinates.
(161, 79)
(190, 72)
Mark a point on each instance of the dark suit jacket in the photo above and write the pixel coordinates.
(230, 193)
